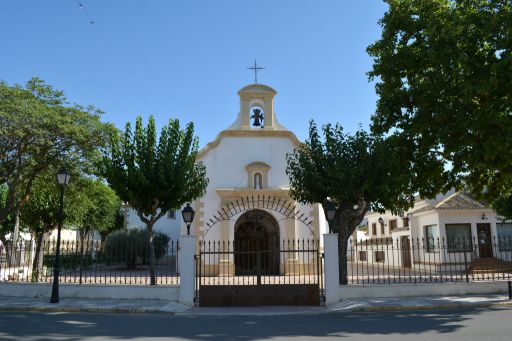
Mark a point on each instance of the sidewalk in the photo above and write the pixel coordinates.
(165, 307)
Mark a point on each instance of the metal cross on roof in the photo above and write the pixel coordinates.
(255, 68)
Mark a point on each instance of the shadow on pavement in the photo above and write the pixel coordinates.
(79, 326)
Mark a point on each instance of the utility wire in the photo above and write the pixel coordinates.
(91, 20)
(107, 43)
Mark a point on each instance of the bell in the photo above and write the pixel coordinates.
(258, 117)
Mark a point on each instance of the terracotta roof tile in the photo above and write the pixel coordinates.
(456, 201)
(460, 201)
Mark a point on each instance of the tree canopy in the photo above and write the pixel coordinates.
(355, 172)
(443, 72)
(89, 205)
(39, 131)
(155, 175)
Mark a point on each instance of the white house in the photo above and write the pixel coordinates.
(452, 228)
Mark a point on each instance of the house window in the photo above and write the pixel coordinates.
(362, 256)
(258, 180)
(374, 229)
(405, 222)
(382, 229)
(504, 236)
(431, 237)
(171, 214)
(458, 237)
(393, 225)
(380, 257)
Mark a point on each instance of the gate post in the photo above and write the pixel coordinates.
(331, 269)
(187, 269)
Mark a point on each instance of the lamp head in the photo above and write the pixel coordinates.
(188, 214)
(63, 177)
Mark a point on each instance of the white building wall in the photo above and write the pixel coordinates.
(225, 163)
(225, 167)
(165, 225)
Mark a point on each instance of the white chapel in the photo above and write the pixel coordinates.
(247, 199)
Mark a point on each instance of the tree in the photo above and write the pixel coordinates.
(154, 177)
(356, 173)
(39, 215)
(40, 131)
(6, 226)
(97, 210)
(89, 205)
(444, 80)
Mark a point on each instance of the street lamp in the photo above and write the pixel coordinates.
(63, 179)
(188, 217)
(330, 213)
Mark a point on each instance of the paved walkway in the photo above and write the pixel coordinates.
(166, 307)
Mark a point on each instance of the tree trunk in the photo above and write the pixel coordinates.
(345, 222)
(151, 255)
(83, 233)
(15, 255)
(16, 233)
(7, 250)
(36, 265)
(342, 258)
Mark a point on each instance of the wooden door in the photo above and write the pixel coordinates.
(483, 232)
(406, 251)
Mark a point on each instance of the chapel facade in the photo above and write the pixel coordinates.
(247, 201)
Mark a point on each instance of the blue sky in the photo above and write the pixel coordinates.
(188, 58)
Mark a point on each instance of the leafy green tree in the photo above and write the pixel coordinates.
(39, 215)
(89, 205)
(40, 131)
(356, 173)
(155, 176)
(97, 208)
(6, 226)
(443, 72)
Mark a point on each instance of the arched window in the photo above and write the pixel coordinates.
(258, 181)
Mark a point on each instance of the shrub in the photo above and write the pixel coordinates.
(131, 247)
(68, 261)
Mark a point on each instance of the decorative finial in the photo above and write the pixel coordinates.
(255, 68)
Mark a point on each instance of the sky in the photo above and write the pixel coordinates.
(187, 59)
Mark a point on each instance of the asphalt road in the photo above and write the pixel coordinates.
(465, 324)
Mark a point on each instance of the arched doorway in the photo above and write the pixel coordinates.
(256, 244)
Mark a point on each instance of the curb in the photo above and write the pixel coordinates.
(86, 310)
(432, 307)
(248, 313)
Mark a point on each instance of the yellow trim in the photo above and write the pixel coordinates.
(248, 133)
(228, 193)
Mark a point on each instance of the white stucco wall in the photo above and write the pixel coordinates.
(166, 225)
(130, 292)
(226, 169)
(225, 163)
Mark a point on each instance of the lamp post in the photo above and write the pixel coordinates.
(188, 216)
(63, 179)
(330, 213)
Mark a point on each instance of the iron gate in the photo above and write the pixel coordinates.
(245, 274)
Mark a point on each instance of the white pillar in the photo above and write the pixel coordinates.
(331, 270)
(187, 268)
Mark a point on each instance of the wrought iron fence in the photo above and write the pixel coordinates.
(432, 260)
(288, 262)
(90, 262)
